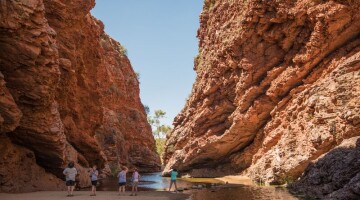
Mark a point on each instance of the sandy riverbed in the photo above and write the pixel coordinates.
(236, 180)
(82, 195)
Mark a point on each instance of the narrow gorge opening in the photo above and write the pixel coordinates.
(160, 41)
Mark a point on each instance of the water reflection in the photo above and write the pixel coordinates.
(150, 181)
(243, 192)
(212, 189)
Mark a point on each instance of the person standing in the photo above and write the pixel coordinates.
(70, 174)
(122, 179)
(173, 178)
(135, 182)
(94, 173)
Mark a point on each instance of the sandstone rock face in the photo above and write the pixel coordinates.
(22, 174)
(105, 103)
(335, 175)
(68, 92)
(278, 85)
(9, 112)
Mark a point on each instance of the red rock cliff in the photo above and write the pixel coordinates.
(68, 92)
(277, 86)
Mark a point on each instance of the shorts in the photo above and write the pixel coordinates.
(135, 183)
(122, 184)
(94, 183)
(173, 181)
(70, 183)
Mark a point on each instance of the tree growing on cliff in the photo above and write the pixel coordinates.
(147, 109)
(159, 129)
(137, 75)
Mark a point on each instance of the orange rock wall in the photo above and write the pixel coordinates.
(277, 86)
(68, 92)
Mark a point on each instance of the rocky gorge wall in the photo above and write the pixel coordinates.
(67, 92)
(278, 86)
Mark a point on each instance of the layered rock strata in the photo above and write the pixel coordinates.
(278, 85)
(68, 92)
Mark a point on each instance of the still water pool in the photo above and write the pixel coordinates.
(149, 181)
(212, 189)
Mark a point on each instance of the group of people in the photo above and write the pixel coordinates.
(70, 173)
(134, 179)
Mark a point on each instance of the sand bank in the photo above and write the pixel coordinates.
(236, 180)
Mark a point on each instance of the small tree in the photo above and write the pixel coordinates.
(159, 129)
(147, 109)
(137, 75)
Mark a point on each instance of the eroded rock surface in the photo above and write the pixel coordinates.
(68, 92)
(334, 175)
(278, 85)
(19, 171)
(10, 114)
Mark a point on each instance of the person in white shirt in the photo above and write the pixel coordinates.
(70, 174)
(94, 173)
(135, 179)
(122, 179)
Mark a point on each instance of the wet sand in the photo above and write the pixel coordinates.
(236, 180)
(101, 195)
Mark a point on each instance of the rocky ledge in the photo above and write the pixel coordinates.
(67, 92)
(278, 85)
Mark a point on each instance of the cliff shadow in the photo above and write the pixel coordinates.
(335, 175)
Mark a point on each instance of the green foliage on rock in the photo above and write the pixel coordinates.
(137, 75)
(123, 50)
(208, 4)
(147, 109)
(160, 146)
(114, 169)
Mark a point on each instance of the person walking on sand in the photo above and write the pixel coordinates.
(94, 173)
(135, 182)
(173, 176)
(122, 179)
(70, 174)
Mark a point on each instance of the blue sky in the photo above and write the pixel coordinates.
(160, 37)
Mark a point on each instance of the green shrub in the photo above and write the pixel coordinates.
(208, 4)
(123, 50)
(114, 169)
(160, 146)
(171, 149)
(286, 179)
